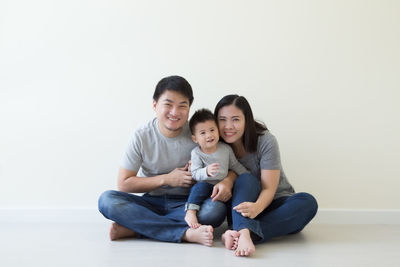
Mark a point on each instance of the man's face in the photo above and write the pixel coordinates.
(172, 110)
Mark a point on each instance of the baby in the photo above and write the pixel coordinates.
(211, 161)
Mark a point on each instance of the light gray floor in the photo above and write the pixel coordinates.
(88, 245)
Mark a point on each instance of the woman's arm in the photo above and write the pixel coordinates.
(269, 184)
(223, 190)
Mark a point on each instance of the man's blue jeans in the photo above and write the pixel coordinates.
(199, 192)
(157, 217)
(285, 215)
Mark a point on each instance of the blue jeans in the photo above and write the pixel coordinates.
(157, 217)
(285, 215)
(199, 192)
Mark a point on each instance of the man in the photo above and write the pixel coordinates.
(156, 163)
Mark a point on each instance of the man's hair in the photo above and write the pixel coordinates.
(174, 83)
(252, 129)
(201, 115)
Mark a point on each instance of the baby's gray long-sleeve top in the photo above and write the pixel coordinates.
(223, 155)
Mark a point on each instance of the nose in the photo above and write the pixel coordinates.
(228, 125)
(173, 111)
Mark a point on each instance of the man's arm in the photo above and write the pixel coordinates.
(130, 183)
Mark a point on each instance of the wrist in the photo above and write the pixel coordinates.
(259, 207)
(228, 182)
(164, 179)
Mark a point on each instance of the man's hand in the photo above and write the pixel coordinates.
(248, 209)
(180, 177)
(212, 169)
(222, 191)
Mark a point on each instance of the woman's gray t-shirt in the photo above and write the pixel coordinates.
(267, 157)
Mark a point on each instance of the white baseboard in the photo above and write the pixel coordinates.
(357, 216)
(50, 215)
(92, 215)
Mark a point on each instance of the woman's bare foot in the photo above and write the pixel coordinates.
(245, 245)
(117, 231)
(202, 235)
(230, 239)
(191, 219)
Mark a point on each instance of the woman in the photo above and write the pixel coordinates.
(264, 203)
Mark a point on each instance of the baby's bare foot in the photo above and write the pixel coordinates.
(230, 239)
(202, 235)
(245, 245)
(191, 219)
(117, 231)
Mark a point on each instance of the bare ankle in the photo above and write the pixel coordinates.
(118, 231)
(191, 219)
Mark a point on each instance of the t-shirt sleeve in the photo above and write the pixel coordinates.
(270, 158)
(234, 164)
(199, 171)
(132, 159)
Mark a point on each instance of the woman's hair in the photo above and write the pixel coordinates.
(252, 128)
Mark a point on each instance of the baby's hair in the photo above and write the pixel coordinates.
(201, 115)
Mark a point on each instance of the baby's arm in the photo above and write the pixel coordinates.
(198, 168)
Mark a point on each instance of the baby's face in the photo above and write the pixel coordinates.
(206, 135)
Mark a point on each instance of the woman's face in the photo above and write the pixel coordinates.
(231, 124)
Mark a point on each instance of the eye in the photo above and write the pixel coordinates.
(221, 119)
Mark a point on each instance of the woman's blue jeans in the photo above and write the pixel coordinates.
(157, 217)
(285, 215)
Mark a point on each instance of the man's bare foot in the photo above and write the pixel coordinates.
(117, 231)
(230, 239)
(191, 219)
(202, 235)
(245, 245)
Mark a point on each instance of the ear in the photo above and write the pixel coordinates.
(194, 139)
(154, 105)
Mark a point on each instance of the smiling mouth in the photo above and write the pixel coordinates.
(229, 134)
(173, 119)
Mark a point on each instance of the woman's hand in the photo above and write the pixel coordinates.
(222, 191)
(248, 209)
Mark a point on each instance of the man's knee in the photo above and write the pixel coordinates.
(106, 201)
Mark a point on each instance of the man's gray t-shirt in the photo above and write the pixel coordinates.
(267, 157)
(223, 156)
(150, 153)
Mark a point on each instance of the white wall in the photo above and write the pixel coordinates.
(76, 77)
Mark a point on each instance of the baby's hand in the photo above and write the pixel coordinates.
(212, 169)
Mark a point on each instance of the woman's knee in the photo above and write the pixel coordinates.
(247, 179)
(248, 185)
(310, 201)
(308, 204)
(212, 213)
